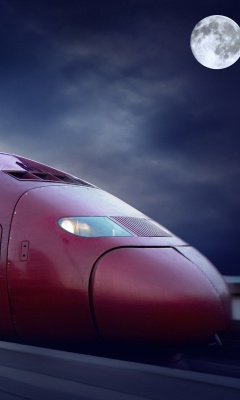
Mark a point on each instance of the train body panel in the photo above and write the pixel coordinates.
(79, 264)
(154, 294)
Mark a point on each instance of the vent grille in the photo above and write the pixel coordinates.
(142, 227)
(43, 176)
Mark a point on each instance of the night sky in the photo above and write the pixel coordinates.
(109, 91)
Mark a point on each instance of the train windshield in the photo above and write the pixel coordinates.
(92, 227)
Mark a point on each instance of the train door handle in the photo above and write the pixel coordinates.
(24, 250)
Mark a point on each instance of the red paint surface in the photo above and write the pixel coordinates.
(140, 288)
(155, 294)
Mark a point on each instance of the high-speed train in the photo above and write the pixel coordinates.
(79, 264)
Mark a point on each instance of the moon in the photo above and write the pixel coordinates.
(215, 42)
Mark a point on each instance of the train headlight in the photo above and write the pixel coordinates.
(92, 227)
(67, 225)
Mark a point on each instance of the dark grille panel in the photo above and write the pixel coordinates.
(42, 176)
(142, 227)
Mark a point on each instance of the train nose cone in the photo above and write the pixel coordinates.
(156, 294)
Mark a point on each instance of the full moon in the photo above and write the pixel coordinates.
(215, 42)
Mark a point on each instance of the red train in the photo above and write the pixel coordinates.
(79, 264)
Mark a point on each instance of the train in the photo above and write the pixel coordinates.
(78, 264)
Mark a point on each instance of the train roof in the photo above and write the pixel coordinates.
(24, 169)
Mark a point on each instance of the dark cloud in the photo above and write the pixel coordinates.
(110, 91)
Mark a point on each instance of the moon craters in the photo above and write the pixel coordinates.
(215, 42)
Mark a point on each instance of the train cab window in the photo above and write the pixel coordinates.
(92, 227)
